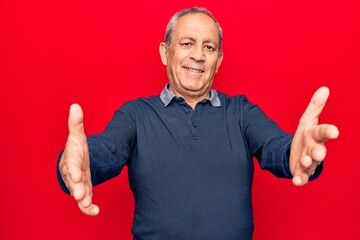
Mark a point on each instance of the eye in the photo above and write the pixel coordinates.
(210, 48)
(186, 44)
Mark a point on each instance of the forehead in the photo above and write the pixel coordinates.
(197, 26)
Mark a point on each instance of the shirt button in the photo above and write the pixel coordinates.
(194, 125)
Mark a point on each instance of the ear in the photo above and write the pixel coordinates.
(219, 61)
(163, 49)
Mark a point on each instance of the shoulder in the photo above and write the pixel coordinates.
(237, 102)
(141, 104)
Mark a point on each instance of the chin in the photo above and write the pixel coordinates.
(193, 88)
(193, 85)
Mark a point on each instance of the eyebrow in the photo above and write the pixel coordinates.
(187, 38)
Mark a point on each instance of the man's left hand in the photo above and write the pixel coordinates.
(307, 149)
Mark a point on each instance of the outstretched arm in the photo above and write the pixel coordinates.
(307, 149)
(74, 164)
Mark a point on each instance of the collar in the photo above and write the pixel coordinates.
(166, 96)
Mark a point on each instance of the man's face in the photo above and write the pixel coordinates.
(193, 57)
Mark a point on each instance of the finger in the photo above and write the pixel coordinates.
(313, 168)
(65, 179)
(86, 201)
(78, 191)
(309, 164)
(306, 161)
(66, 175)
(318, 153)
(75, 170)
(316, 105)
(300, 173)
(300, 179)
(91, 210)
(76, 120)
(324, 132)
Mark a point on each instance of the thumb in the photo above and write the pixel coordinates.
(316, 105)
(76, 120)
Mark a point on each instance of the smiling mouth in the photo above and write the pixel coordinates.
(194, 70)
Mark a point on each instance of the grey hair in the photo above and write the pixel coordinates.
(181, 13)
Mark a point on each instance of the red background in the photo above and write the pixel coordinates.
(103, 53)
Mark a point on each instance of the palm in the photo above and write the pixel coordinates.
(75, 164)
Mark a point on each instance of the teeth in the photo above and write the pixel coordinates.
(194, 70)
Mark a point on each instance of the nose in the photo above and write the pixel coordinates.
(198, 54)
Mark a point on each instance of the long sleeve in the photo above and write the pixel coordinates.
(110, 150)
(268, 143)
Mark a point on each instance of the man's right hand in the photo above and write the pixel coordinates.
(75, 163)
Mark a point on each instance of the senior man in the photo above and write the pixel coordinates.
(189, 150)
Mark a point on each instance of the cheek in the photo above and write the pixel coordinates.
(179, 56)
(176, 65)
(212, 65)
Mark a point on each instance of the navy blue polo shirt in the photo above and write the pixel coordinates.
(190, 171)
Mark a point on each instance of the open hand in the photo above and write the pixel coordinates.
(308, 149)
(75, 164)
